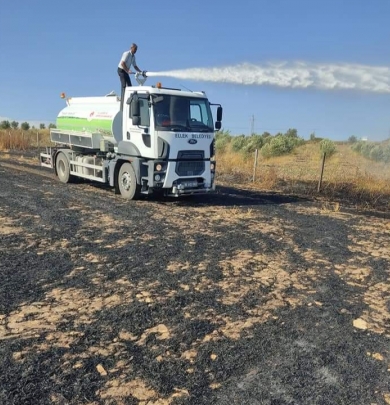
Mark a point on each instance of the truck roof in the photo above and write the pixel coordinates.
(165, 90)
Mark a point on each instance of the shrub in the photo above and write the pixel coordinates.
(352, 139)
(380, 152)
(5, 124)
(386, 153)
(292, 132)
(328, 147)
(365, 150)
(357, 147)
(222, 140)
(25, 126)
(280, 145)
(252, 143)
(376, 153)
(266, 151)
(373, 151)
(238, 143)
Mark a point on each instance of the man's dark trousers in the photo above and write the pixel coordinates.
(125, 82)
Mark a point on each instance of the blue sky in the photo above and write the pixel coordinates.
(49, 47)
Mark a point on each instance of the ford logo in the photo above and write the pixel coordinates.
(192, 141)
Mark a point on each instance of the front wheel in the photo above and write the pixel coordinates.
(127, 182)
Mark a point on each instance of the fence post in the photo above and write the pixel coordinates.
(255, 165)
(9, 135)
(37, 139)
(322, 173)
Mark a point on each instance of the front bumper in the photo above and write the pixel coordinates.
(177, 191)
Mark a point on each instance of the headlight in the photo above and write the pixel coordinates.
(212, 166)
(158, 167)
(157, 177)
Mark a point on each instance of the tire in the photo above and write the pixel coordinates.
(63, 168)
(127, 182)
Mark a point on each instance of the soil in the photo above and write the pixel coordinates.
(237, 297)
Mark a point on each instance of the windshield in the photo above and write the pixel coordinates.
(185, 114)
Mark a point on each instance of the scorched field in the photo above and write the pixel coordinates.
(239, 297)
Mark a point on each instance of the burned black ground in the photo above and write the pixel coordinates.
(233, 298)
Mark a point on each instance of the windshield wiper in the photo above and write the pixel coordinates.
(200, 127)
(177, 127)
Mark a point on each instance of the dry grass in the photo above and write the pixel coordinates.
(347, 175)
(23, 140)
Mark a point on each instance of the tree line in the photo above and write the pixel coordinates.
(380, 152)
(25, 126)
(269, 145)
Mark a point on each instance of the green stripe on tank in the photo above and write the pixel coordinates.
(82, 124)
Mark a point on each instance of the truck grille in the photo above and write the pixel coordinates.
(190, 163)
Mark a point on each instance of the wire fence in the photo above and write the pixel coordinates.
(343, 175)
(24, 140)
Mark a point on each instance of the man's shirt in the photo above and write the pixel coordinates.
(128, 58)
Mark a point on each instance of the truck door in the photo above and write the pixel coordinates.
(139, 134)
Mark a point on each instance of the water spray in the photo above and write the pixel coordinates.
(374, 79)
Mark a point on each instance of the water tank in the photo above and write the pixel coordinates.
(92, 114)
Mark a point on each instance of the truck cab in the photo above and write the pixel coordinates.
(170, 135)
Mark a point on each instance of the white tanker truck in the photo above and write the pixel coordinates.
(161, 140)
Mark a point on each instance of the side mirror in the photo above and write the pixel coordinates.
(135, 107)
(218, 125)
(219, 113)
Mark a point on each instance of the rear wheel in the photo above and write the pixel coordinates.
(62, 168)
(127, 182)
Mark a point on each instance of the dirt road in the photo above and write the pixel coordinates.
(234, 298)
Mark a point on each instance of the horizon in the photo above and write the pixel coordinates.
(34, 125)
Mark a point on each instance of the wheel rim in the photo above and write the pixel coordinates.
(126, 181)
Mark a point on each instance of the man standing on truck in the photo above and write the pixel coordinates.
(128, 59)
